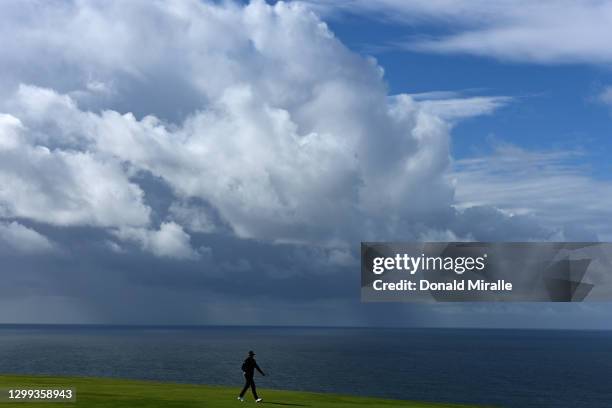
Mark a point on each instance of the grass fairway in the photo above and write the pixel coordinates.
(104, 392)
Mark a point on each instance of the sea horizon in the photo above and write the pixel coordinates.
(230, 326)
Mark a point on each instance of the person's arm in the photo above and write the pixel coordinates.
(259, 369)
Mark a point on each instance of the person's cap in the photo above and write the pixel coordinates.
(251, 353)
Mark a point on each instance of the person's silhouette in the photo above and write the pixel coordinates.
(248, 368)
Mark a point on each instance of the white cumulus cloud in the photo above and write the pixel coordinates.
(284, 132)
(169, 241)
(63, 187)
(291, 136)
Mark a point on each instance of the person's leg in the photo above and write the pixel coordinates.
(247, 384)
(254, 389)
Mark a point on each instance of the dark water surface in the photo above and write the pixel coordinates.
(506, 368)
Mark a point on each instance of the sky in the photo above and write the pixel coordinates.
(195, 162)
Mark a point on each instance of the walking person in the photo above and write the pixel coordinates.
(248, 369)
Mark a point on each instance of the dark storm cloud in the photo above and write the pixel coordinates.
(244, 282)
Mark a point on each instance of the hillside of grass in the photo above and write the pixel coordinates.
(116, 393)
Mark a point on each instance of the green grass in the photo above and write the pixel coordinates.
(115, 393)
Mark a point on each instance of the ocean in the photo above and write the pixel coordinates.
(504, 368)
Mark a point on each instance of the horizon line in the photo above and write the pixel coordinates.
(272, 326)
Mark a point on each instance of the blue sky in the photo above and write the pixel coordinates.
(556, 104)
